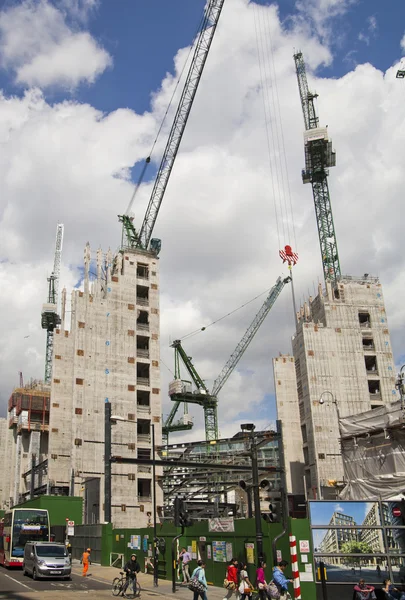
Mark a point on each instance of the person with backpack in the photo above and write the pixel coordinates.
(198, 579)
(279, 585)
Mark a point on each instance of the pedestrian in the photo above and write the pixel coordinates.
(391, 592)
(232, 580)
(86, 561)
(261, 581)
(378, 571)
(364, 591)
(281, 581)
(185, 559)
(245, 586)
(131, 569)
(199, 573)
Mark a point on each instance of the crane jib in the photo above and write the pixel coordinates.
(203, 45)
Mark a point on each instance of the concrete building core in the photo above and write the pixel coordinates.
(343, 366)
(110, 353)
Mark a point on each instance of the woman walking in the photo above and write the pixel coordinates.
(261, 581)
(245, 587)
(199, 573)
(232, 575)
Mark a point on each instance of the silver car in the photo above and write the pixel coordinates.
(46, 559)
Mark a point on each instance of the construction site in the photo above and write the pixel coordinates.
(103, 368)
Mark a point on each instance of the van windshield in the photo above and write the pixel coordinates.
(53, 551)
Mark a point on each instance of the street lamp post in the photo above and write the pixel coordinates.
(250, 427)
(107, 479)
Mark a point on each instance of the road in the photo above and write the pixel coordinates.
(14, 585)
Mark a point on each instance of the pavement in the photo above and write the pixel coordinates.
(96, 586)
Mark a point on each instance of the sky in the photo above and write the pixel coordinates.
(84, 88)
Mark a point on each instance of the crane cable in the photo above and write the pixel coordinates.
(149, 157)
(274, 132)
(193, 333)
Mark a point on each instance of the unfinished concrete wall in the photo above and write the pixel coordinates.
(342, 353)
(111, 353)
(3, 461)
(285, 384)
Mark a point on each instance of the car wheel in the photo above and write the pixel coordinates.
(34, 575)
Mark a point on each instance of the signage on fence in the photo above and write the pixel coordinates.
(225, 525)
(70, 528)
(304, 546)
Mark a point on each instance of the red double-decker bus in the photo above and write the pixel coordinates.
(19, 526)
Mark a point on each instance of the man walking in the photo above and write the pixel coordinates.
(185, 559)
(86, 561)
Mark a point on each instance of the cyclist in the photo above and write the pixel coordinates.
(131, 569)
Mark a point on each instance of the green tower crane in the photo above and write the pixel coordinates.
(181, 391)
(142, 238)
(319, 156)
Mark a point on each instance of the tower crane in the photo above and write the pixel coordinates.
(319, 156)
(49, 316)
(143, 238)
(180, 391)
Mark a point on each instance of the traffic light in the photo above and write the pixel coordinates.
(181, 516)
(265, 484)
(274, 514)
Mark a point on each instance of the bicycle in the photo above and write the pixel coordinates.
(118, 585)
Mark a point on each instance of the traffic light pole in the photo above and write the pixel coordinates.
(174, 558)
(256, 497)
(284, 496)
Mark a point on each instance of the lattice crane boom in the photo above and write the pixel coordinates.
(319, 156)
(249, 335)
(203, 44)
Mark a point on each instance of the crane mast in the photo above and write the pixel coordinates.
(203, 44)
(319, 156)
(50, 318)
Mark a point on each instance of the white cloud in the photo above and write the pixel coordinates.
(219, 238)
(320, 14)
(37, 44)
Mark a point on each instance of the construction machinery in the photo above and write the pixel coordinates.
(319, 156)
(49, 316)
(142, 239)
(181, 392)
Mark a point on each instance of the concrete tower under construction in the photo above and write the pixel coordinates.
(342, 365)
(109, 353)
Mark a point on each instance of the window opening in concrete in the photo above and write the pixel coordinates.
(142, 346)
(142, 373)
(142, 322)
(144, 489)
(142, 295)
(143, 428)
(374, 387)
(306, 456)
(336, 293)
(371, 365)
(304, 433)
(144, 453)
(143, 399)
(364, 319)
(368, 343)
(142, 271)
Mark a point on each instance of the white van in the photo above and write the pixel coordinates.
(46, 559)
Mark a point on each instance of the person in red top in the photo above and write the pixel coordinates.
(232, 574)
